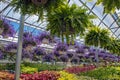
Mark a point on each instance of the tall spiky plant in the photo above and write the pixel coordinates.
(68, 21)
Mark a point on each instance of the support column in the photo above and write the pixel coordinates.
(19, 49)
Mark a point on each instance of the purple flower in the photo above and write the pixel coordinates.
(28, 40)
(42, 36)
(75, 59)
(39, 51)
(80, 50)
(48, 57)
(70, 54)
(27, 54)
(61, 47)
(1, 55)
(64, 58)
(8, 28)
(56, 53)
(11, 46)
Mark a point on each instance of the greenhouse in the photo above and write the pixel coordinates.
(59, 40)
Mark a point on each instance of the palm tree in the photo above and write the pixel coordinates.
(36, 6)
(68, 21)
(97, 37)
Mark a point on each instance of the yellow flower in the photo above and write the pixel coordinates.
(67, 76)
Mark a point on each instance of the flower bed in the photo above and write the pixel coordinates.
(104, 73)
(44, 75)
(78, 69)
(6, 76)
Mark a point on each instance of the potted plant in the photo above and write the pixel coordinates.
(66, 22)
(44, 38)
(38, 7)
(7, 29)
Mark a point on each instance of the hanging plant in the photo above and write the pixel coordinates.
(44, 38)
(38, 7)
(109, 5)
(11, 47)
(97, 37)
(68, 21)
(28, 41)
(48, 57)
(114, 46)
(61, 48)
(7, 29)
(38, 52)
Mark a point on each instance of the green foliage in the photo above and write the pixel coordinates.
(67, 21)
(110, 5)
(2, 67)
(44, 66)
(105, 73)
(10, 66)
(29, 70)
(28, 7)
(97, 37)
(114, 46)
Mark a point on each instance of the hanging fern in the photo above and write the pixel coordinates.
(97, 37)
(110, 5)
(29, 7)
(68, 21)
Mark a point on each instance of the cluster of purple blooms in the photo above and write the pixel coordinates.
(8, 29)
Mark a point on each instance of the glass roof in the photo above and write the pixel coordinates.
(110, 21)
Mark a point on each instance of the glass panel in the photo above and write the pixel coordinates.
(117, 32)
(108, 20)
(103, 26)
(114, 25)
(98, 10)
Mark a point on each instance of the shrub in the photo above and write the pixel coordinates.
(106, 73)
(44, 66)
(78, 69)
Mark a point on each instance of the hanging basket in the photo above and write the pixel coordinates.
(1, 30)
(45, 41)
(39, 2)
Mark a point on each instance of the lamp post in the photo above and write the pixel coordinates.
(19, 48)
